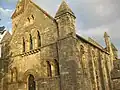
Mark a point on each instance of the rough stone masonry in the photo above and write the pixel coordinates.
(45, 53)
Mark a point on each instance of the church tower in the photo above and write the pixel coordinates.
(66, 47)
(66, 20)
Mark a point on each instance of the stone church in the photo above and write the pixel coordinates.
(45, 53)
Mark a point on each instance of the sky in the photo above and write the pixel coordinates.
(93, 17)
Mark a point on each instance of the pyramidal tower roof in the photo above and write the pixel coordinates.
(64, 8)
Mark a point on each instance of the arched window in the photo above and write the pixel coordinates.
(31, 83)
(28, 19)
(82, 49)
(38, 39)
(31, 42)
(14, 74)
(82, 56)
(32, 17)
(56, 66)
(49, 71)
(10, 76)
(23, 44)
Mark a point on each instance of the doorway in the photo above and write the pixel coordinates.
(31, 83)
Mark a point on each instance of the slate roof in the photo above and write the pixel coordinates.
(113, 46)
(2, 30)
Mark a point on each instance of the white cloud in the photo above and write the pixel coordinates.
(99, 31)
(103, 11)
(5, 16)
(5, 12)
(50, 6)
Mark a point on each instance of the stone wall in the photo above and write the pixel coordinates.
(95, 63)
(81, 65)
(31, 61)
(115, 75)
(49, 83)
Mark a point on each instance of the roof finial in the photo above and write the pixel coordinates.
(106, 35)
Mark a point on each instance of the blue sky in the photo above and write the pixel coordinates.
(6, 9)
(94, 17)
